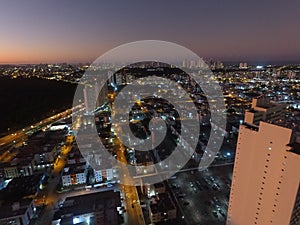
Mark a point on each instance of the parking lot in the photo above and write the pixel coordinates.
(203, 196)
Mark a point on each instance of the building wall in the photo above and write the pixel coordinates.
(101, 174)
(265, 178)
(295, 220)
(154, 217)
(254, 117)
(11, 172)
(264, 110)
(73, 179)
(66, 180)
(17, 171)
(81, 178)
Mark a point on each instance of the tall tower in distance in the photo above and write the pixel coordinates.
(265, 183)
(94, 96)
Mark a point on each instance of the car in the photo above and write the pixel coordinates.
(215, 199)
(222, 213)
(186, 203)
(215, 213)
(174, 186)
(181, 195)
(216, 188)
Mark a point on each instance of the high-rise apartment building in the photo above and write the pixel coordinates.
(264, 110)
(265, 183)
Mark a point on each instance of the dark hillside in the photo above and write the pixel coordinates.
(25, 101)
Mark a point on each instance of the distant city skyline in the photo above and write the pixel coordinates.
(78, 32)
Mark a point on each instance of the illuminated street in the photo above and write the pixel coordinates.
(134, 213)
(17, 138)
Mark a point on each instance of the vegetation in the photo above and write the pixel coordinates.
(25, 101)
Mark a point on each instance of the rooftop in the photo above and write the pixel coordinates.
(143, 157)
(74, 168)
(159, 185)
(106, 202)
(163, 204)
(13, 209)
(21, 187)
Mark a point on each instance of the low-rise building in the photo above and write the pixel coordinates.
(22, 187)
(103, 175)
(17, 204)
(144, 163)
(75, 156)
(153, 189)
(18, 167)
(17, 213)
(74, 174)
(46, 155)
(162, 208)
(97, 208)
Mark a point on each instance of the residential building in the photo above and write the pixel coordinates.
(17, 213)
(97, 208)
(266, 177)
(162, 208)
(74, 174)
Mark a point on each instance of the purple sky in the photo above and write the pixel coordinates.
(37, 31)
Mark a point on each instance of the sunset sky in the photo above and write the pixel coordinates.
(37, 31)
